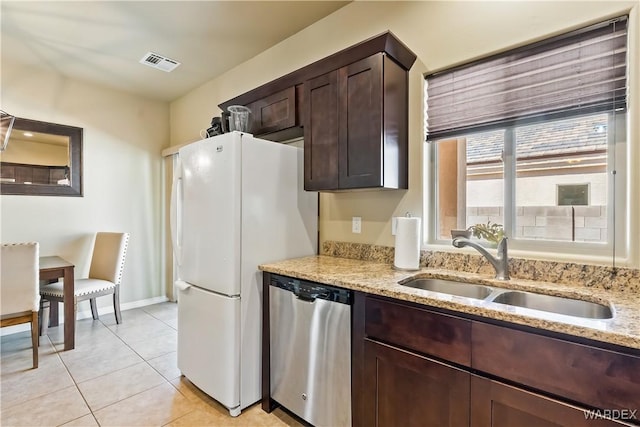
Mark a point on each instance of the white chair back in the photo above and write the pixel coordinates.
(19, 271)
(107, 261)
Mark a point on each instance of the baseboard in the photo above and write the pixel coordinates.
(84, 314)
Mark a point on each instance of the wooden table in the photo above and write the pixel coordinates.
(54, 267)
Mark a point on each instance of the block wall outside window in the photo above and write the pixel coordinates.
(586, 224)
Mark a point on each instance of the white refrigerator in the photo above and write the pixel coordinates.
(237, 201)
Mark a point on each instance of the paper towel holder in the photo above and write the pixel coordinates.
(409, 258)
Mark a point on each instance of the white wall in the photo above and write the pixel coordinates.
(123, 138)
(442, 34)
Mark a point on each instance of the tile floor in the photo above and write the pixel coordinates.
(118, 375)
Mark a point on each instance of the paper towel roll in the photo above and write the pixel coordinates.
(407, 252)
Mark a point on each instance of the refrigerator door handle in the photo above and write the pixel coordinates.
(183, 286)
(175, 215)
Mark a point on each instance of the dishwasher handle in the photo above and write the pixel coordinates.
(304, 295)
(310, 291)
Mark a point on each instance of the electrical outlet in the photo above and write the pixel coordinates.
(356, 224)
(394, 225)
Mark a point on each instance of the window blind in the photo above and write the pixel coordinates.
(575, 73)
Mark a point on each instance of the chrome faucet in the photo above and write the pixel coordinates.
(500, 263)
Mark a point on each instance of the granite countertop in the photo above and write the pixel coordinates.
(382, 279)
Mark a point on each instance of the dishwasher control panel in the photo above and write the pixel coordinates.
(310, 291)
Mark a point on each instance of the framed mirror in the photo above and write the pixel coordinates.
(43, 159)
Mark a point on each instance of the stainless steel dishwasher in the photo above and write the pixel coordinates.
(310, 352)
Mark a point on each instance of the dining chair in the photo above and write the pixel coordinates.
(105, 275)
(19, 296)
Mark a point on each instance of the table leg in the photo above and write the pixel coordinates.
(53, 314)
(69, 310)
(52, 307)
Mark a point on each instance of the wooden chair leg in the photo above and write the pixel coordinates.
(94, 308)
(53, 314)
(34, 337)
(116, 305)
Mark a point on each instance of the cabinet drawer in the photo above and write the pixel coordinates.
(424, 331)
(592, 376)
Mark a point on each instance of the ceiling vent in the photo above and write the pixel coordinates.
(158, 61)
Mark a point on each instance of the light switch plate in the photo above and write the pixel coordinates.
(356, 224)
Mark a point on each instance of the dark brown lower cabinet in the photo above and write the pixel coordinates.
(405, 389)
(494, 404)
(415, 366)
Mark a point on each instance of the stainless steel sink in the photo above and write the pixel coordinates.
(461, 289)
(529, 300)
(554, 304)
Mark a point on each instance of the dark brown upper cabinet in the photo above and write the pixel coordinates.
(276, 116)
(355, 133)
(353, 106)
(321, 151)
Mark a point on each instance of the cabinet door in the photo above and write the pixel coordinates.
(321, 133)
(360, 123)
(56, 174)
(40, 175)
(23, 174)
(495, 404)
(404, 389)
(274, 112)
(7, 172)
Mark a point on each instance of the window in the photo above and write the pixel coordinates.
(573, 194)
(533, 140)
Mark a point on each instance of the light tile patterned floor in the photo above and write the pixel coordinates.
(118, 375)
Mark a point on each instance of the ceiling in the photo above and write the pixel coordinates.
(103, 41)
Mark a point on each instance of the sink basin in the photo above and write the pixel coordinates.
(461, 289)
(528, 300)
(553, 304)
